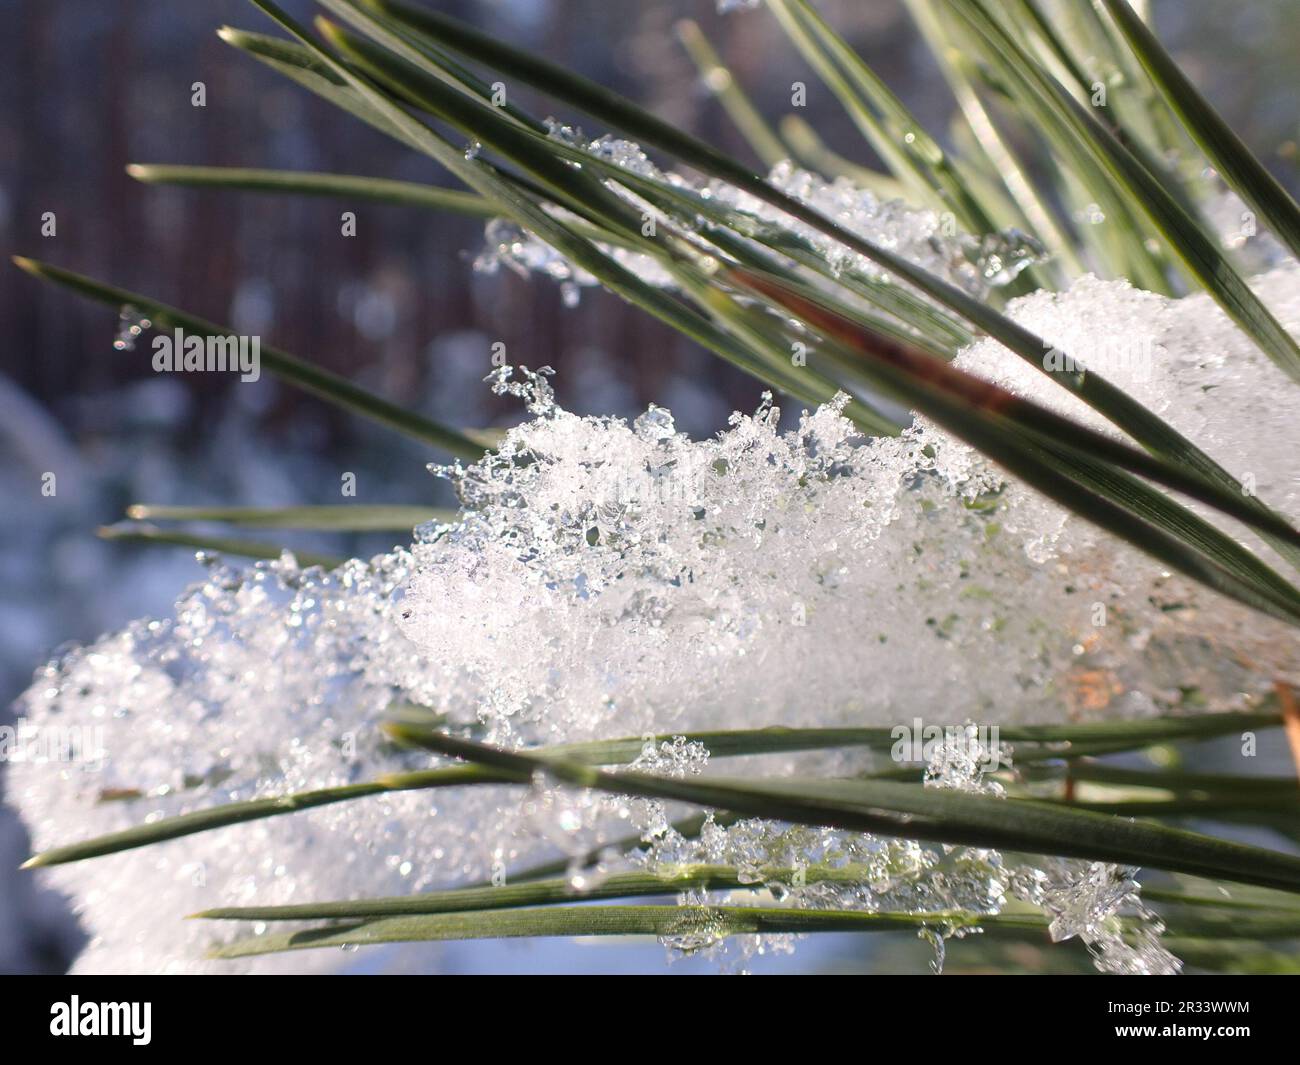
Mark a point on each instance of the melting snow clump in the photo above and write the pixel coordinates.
(609, 579)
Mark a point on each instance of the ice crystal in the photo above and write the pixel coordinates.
(925, 238)
(962, 762)
(1091, 900)
(608, 579)
(830, 869)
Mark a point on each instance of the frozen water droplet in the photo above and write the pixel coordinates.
(566, 134)
(936, 941)
(1091, 215)
(1002, 257)
(655, 424)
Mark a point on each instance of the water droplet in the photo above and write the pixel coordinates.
(130, 324)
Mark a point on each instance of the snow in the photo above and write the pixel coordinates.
(609, 579)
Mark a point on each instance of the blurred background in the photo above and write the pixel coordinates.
(88, 86)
